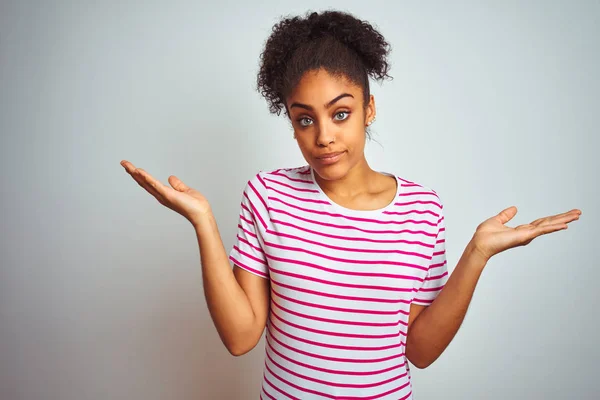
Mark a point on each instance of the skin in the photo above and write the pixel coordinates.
(328, 114)
(238, 301)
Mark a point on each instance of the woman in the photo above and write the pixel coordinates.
(344, 266)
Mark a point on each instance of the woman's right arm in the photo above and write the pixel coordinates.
(238, 301)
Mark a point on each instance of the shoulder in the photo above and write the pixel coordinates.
(264, 180)
(419, 193)
(292, 172)
(293, 175)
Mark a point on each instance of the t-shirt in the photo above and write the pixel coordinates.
(342, 282)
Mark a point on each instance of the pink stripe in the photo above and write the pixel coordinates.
(411, 212)
(260, 179)
(249, 222)
(255, 212)
(432, 278)
(435, 289)
(378, 396)
(241, 239)
(331, 308)
(278, 222)
(337, 359)
(346, 260)
(418, 194)
(291, 179)
(258, 260)
(247, 232)
(310, 278)
(344, 322)
(418, 202)
(374, 221)
(334, 346)
(266, 394)
(349, 249)
(338, 334)
(276, 388)
(333, 371)
(299, 198)
(350, 227)
(292, 187)
(342, 272)
(296, 386)
(241, 265)
(246, 208)
(423, 300)
(335, 384)
(339, 296)
(401, 387)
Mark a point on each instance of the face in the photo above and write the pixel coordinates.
(329, 118)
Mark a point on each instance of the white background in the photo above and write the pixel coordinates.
(492, 104)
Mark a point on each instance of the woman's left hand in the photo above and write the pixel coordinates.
(492, 237)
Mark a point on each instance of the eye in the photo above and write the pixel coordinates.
(304, 121)
(344, 114)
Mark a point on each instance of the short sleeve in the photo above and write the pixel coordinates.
(248, 251)
(437, 272)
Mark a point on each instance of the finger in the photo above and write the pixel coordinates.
(507, 214)
(573, 214)
(177, 184)
(153, 182)
(145, 185)
(546, 229)
(559, 218)
(129, 167)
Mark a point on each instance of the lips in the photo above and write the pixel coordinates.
(329, 155)
(330, 158)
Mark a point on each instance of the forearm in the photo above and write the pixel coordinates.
(229, 307)
(435, 327)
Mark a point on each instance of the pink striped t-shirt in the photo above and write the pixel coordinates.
(342, 282)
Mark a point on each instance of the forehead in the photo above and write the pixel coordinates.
(318, 87)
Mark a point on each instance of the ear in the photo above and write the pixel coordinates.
(370, 110)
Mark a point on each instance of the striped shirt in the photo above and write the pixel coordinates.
(342, 282)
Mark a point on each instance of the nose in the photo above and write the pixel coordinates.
(326, 134)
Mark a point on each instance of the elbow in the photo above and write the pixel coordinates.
(421, 364)
(420, 361)
(239, 349)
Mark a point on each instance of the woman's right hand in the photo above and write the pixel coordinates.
(180, 198)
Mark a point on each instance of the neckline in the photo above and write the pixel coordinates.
(359, 212)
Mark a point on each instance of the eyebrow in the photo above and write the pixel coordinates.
(332, 102)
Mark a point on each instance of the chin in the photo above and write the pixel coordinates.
(331, 172)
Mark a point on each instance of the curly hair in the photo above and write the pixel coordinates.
(335, 41)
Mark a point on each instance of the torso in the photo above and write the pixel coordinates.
(342, 282)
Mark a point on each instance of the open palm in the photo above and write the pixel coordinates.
(179, 197)
(493, 237)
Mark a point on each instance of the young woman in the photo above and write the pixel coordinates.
(344, 266)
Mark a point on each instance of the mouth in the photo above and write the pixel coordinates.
(330, 158)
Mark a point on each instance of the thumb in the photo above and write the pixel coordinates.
(507, 214)
(177, 184)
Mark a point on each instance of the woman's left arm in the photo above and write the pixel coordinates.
(432, 328)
